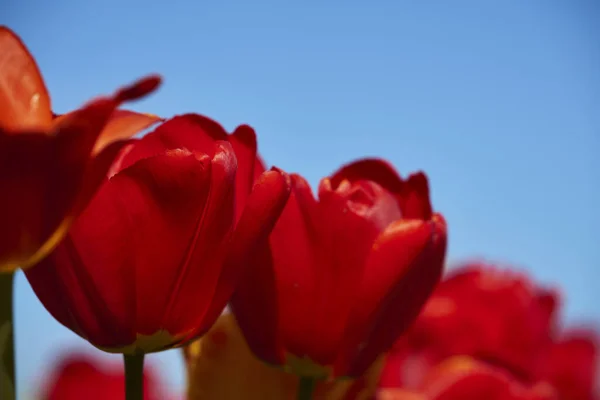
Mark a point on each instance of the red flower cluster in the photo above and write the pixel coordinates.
(137, 246)
(488, 331)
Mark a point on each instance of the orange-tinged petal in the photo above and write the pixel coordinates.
(399, 394)
(24, 99)
(123, 125)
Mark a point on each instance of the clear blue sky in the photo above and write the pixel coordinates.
(498, 101)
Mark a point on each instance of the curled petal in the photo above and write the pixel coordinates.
(124, 124)
(80, 130)
(412, 194)
(414, 198)
(369, 169)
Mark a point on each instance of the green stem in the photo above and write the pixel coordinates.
(134, 377)
(7, 346)
(306, 387)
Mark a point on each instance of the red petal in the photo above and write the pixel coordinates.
(243, 141)
(572, 364)
(189, 131)
(350, 219)
(96, 174)
(249, 262)
(198, 133)
(295, 262)
(414, 198)
(369, 169)
(199, 280)
(412, 194)
(403, 268)
(24, 99)
(496, 315)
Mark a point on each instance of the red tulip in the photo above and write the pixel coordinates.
(344, 274)
(493, 315)
(51, 166)
(152, 261)
(572, 365)
(81, 377)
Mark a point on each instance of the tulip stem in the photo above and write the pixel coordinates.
(306, 387)
(7, 345)
(134, 376)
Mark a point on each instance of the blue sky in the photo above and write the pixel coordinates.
(498, 101)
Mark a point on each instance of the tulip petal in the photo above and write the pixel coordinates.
(188, 131)
(293, 250)
(406, 263)
(572, 364)
(414, 198)
(370, 169)
(253, 302)
(24, 99)
(350, 219)
(199, 281)
(243, 141)
(412, 194)
(494, 314)
(198, 133)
